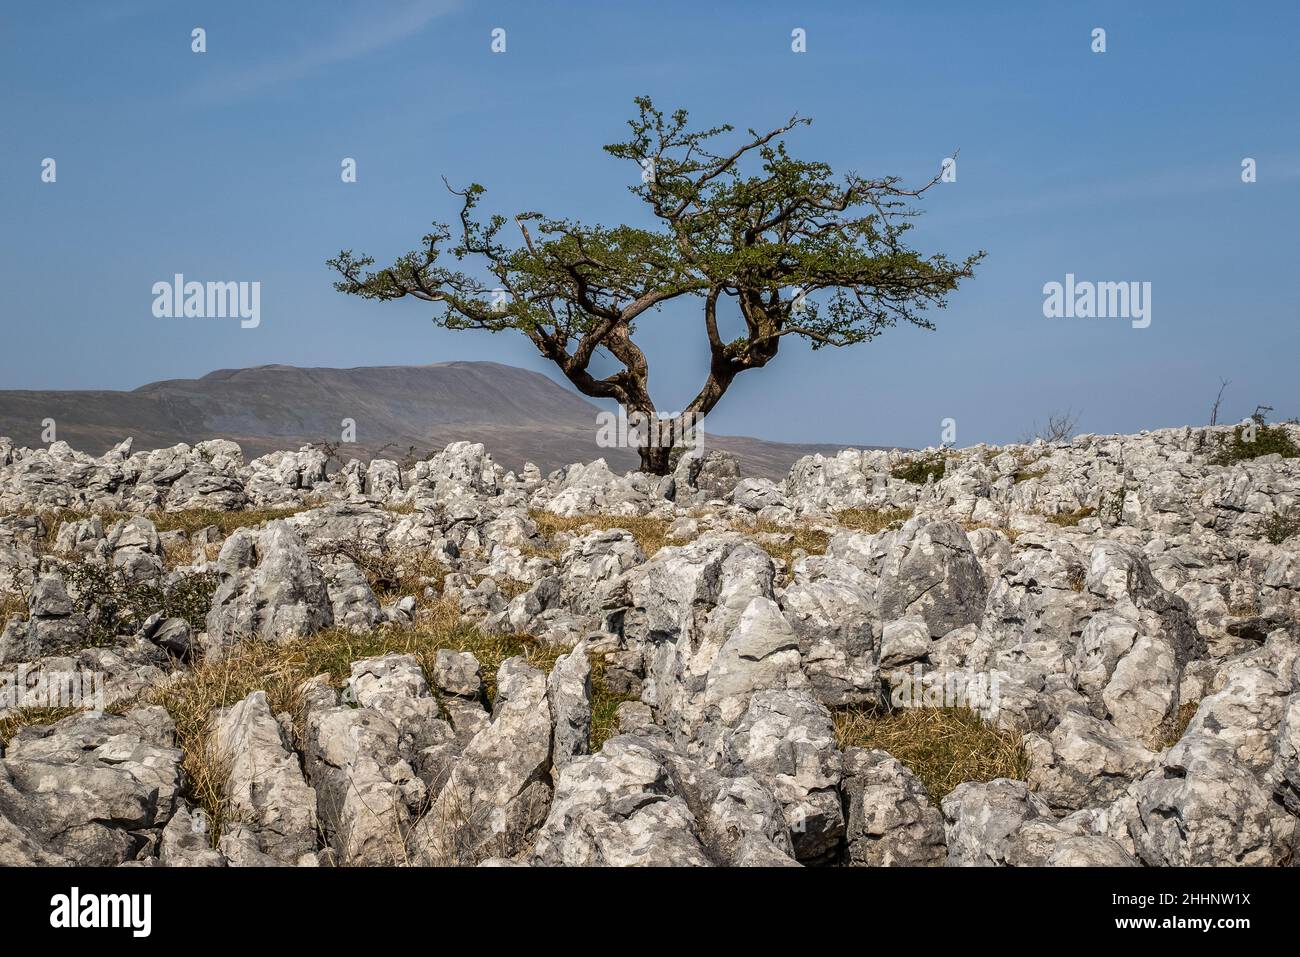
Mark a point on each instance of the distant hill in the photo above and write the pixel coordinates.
(519, 415)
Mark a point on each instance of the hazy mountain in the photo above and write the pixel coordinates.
(519, 415)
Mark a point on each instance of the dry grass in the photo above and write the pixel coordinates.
(188, 521)
(16, 720)
(12, 605)
(1024, 475)
(281, 669)
(872, 520)
(944, 747)
(194, 520)
(53, 518)
(180, 554)
(1026, 466)
(511, 588)
(1175, 726)
(391, 575)
(604, 705)
(1006, 530)
(1068, 519)
(650, 533)
(783, 541)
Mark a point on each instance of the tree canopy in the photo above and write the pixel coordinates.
(791, 247)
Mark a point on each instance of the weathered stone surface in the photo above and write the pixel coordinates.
(187, 841)
(1084, 762)
(891, 822)
(1086, 635)
(621, 808)
(982, 820)
(932, 571)
(786, 741)
(458, 673)
(1201, 807)
(499, 791)
(568, 693)
(265, 784)
(92, 789)
(270, 588)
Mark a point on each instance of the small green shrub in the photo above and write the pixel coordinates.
(918, 471)
(115, 605)
(1282, 525)
(1268, 439)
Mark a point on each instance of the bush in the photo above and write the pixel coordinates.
(1280, 526)
(192, 520)
(115, 605)
(391, 575)
(918, 471)
(1268, 439)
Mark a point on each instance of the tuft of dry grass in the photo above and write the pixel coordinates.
(511, 588)
(391, 575)
(181, 554)
(1024, 475)
(943, 747)
(12, 605)
(194, 520)
(604, 705)
(280, 669)
(52, 518)
(1174, 727)
(1006, 530)
(872, 520)
(1068, 519)
(188, 520)
(650, 533)
(782, 541)
(19, 718)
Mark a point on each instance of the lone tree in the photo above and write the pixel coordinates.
(793, 250)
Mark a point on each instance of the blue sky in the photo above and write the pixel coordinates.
(1122, 166)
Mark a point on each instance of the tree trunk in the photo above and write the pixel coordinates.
(656, 459)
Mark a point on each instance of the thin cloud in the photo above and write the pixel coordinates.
(348, 42)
